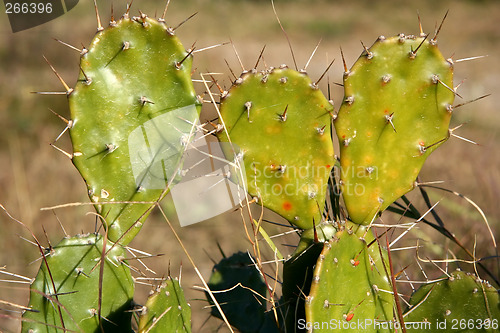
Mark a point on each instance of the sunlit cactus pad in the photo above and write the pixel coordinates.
(65, 292)
(350, 284)
(166, 310)
(279, 123)
(132, 110)
(459, 302)
(396, 111)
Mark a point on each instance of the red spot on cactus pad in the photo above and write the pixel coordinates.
(287, 205)
(349, 316)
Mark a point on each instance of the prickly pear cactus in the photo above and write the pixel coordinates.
(350, 287)
(239, 289)
(460, 302)
(279, 123)
(297, 278)
(166, 310)
(65, 292)
(396, 111)
(132, 110)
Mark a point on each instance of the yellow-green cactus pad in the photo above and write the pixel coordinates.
(279, 123)
(395, 112)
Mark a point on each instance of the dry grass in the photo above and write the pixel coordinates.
(33, 175)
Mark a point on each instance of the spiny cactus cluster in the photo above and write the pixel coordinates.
(130, 126)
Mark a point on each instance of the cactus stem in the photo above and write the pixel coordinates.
(68, 89)
(70, 156)
(434, 39)
(312, 55)
(99, 25)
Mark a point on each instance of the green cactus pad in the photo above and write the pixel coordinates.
(460, 302)
(132, 110)
(395, 112)
(73, 268)
(237, 284)
(279, 122)
(166, 310)
(350, 288)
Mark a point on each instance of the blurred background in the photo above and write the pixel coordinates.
(34, 175)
